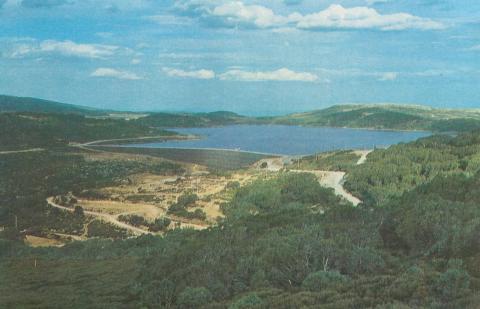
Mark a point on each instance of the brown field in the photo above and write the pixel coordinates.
(35, 241)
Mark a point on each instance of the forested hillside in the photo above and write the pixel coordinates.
(286, 242)
(390, 172)
(28, 130)
(283, 240)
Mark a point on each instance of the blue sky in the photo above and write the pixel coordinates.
(252, 57)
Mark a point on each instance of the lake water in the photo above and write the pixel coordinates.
(286, 140)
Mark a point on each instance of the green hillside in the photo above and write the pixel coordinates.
(28, 130)
(193, 119)
(385, 116)
(22, 104)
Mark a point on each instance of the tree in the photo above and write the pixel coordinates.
(78, 211)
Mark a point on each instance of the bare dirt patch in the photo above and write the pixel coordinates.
(36, 241)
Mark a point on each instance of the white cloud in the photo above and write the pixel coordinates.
(338, 17)
(335, 17)
(65, 48)
(283, 74)
(69, 48)
(113, 73)
(198, 74)
(236, 12)
(388, 76)
(136, 61)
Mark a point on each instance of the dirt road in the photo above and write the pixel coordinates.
(332, 180)
(106, 217)
(21, 151)
(363, 155)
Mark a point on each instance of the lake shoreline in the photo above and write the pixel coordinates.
(272, 140)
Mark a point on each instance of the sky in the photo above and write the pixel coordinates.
(253, 57)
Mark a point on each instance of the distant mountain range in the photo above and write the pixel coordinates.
(372, 116)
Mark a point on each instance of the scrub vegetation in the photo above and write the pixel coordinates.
(281, 239)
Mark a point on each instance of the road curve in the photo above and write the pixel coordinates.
(332, 180)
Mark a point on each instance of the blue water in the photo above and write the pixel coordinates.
(286, 140)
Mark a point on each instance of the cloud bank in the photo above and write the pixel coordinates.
(336, 17)
(283, 74)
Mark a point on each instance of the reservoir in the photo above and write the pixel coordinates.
(285, 140)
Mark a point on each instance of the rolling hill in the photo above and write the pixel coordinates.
(10, 104)
(219, 118)
(369, 116)
(385, 116)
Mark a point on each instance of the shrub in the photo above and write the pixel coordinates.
(184, 201)
(134, 220)
(233, 185)
(192, 298)
(318, 281)
(78, 211)
(159, 224)
(452, 284)
(101, 229)
(247, 302)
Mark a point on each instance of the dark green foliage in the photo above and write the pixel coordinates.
(452, 284)
(192, 298)
(101, 229)
(323, 280)
(28, 130)
(378, 116)
(330, 161)
(439, 218)
(78, 211)
(249, 301)
(160, 224)
(134, 220)
(286, 242)
(20, 104)
(185, 201)
(391, 172)
(289, 191)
